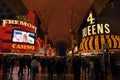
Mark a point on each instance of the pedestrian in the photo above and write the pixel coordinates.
(50, 68)
(85, 64)
(34, 66)
(91, 70)
(28, 62)
(12, 63)
(59, 68)
(22, 63)
(43, 65)
(76, 63)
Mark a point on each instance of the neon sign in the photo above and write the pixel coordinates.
(23, 46)
(94, 29)
(24, 18)
(18, 22)
(93, 43)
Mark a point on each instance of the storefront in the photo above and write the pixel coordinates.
(95, 43)
(95, 37)
(18, 36)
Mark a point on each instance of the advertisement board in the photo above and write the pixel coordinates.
(23, 37)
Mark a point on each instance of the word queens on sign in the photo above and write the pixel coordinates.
(96, 29)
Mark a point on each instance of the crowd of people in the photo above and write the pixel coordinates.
(95, 68)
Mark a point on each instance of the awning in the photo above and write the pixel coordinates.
(94, 43)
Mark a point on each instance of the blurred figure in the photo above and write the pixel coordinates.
(21, 66)
(76, 63)
(91, 70)
(29, 64)
(85, 64)
(50, 68)
(97, 67)
(59, 68)
(0, 62)
(5, 64)
(43, 65)
(12, 63)
(102, 68)
(63, 60)
(34, 66)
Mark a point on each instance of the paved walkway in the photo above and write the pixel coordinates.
(14, 76)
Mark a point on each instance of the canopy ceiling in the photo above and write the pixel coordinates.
(55, 16)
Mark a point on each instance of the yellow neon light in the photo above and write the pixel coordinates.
(115, 42)
(13, 45)
(90, 43)
(102, 40)
(86, 46)
(96, 43)
(109, 41)
(118, 39)
(81, 45)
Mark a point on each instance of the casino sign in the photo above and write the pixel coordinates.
(96, 35)
(18, 35)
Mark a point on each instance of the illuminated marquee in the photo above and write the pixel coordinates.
(18, 22)
(95, 35)
(94, 29)
(25, 25)
(23, 46)
(94, 43)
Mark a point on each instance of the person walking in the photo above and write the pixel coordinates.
(12, 63)
(43, 65)
(28, 62)
(76, 63)
(85, 64)
(97, 67)
(59, 68)
(91, 70)
(22, 63)
(33, 68)
(50, 68)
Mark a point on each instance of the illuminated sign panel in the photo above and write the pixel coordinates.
(18, 35)
(22, 46)
(23, 37)
(20, 23)
(94, 43)
(95, 29)
(96, 35)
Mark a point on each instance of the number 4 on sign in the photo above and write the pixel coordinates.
(90, 18)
